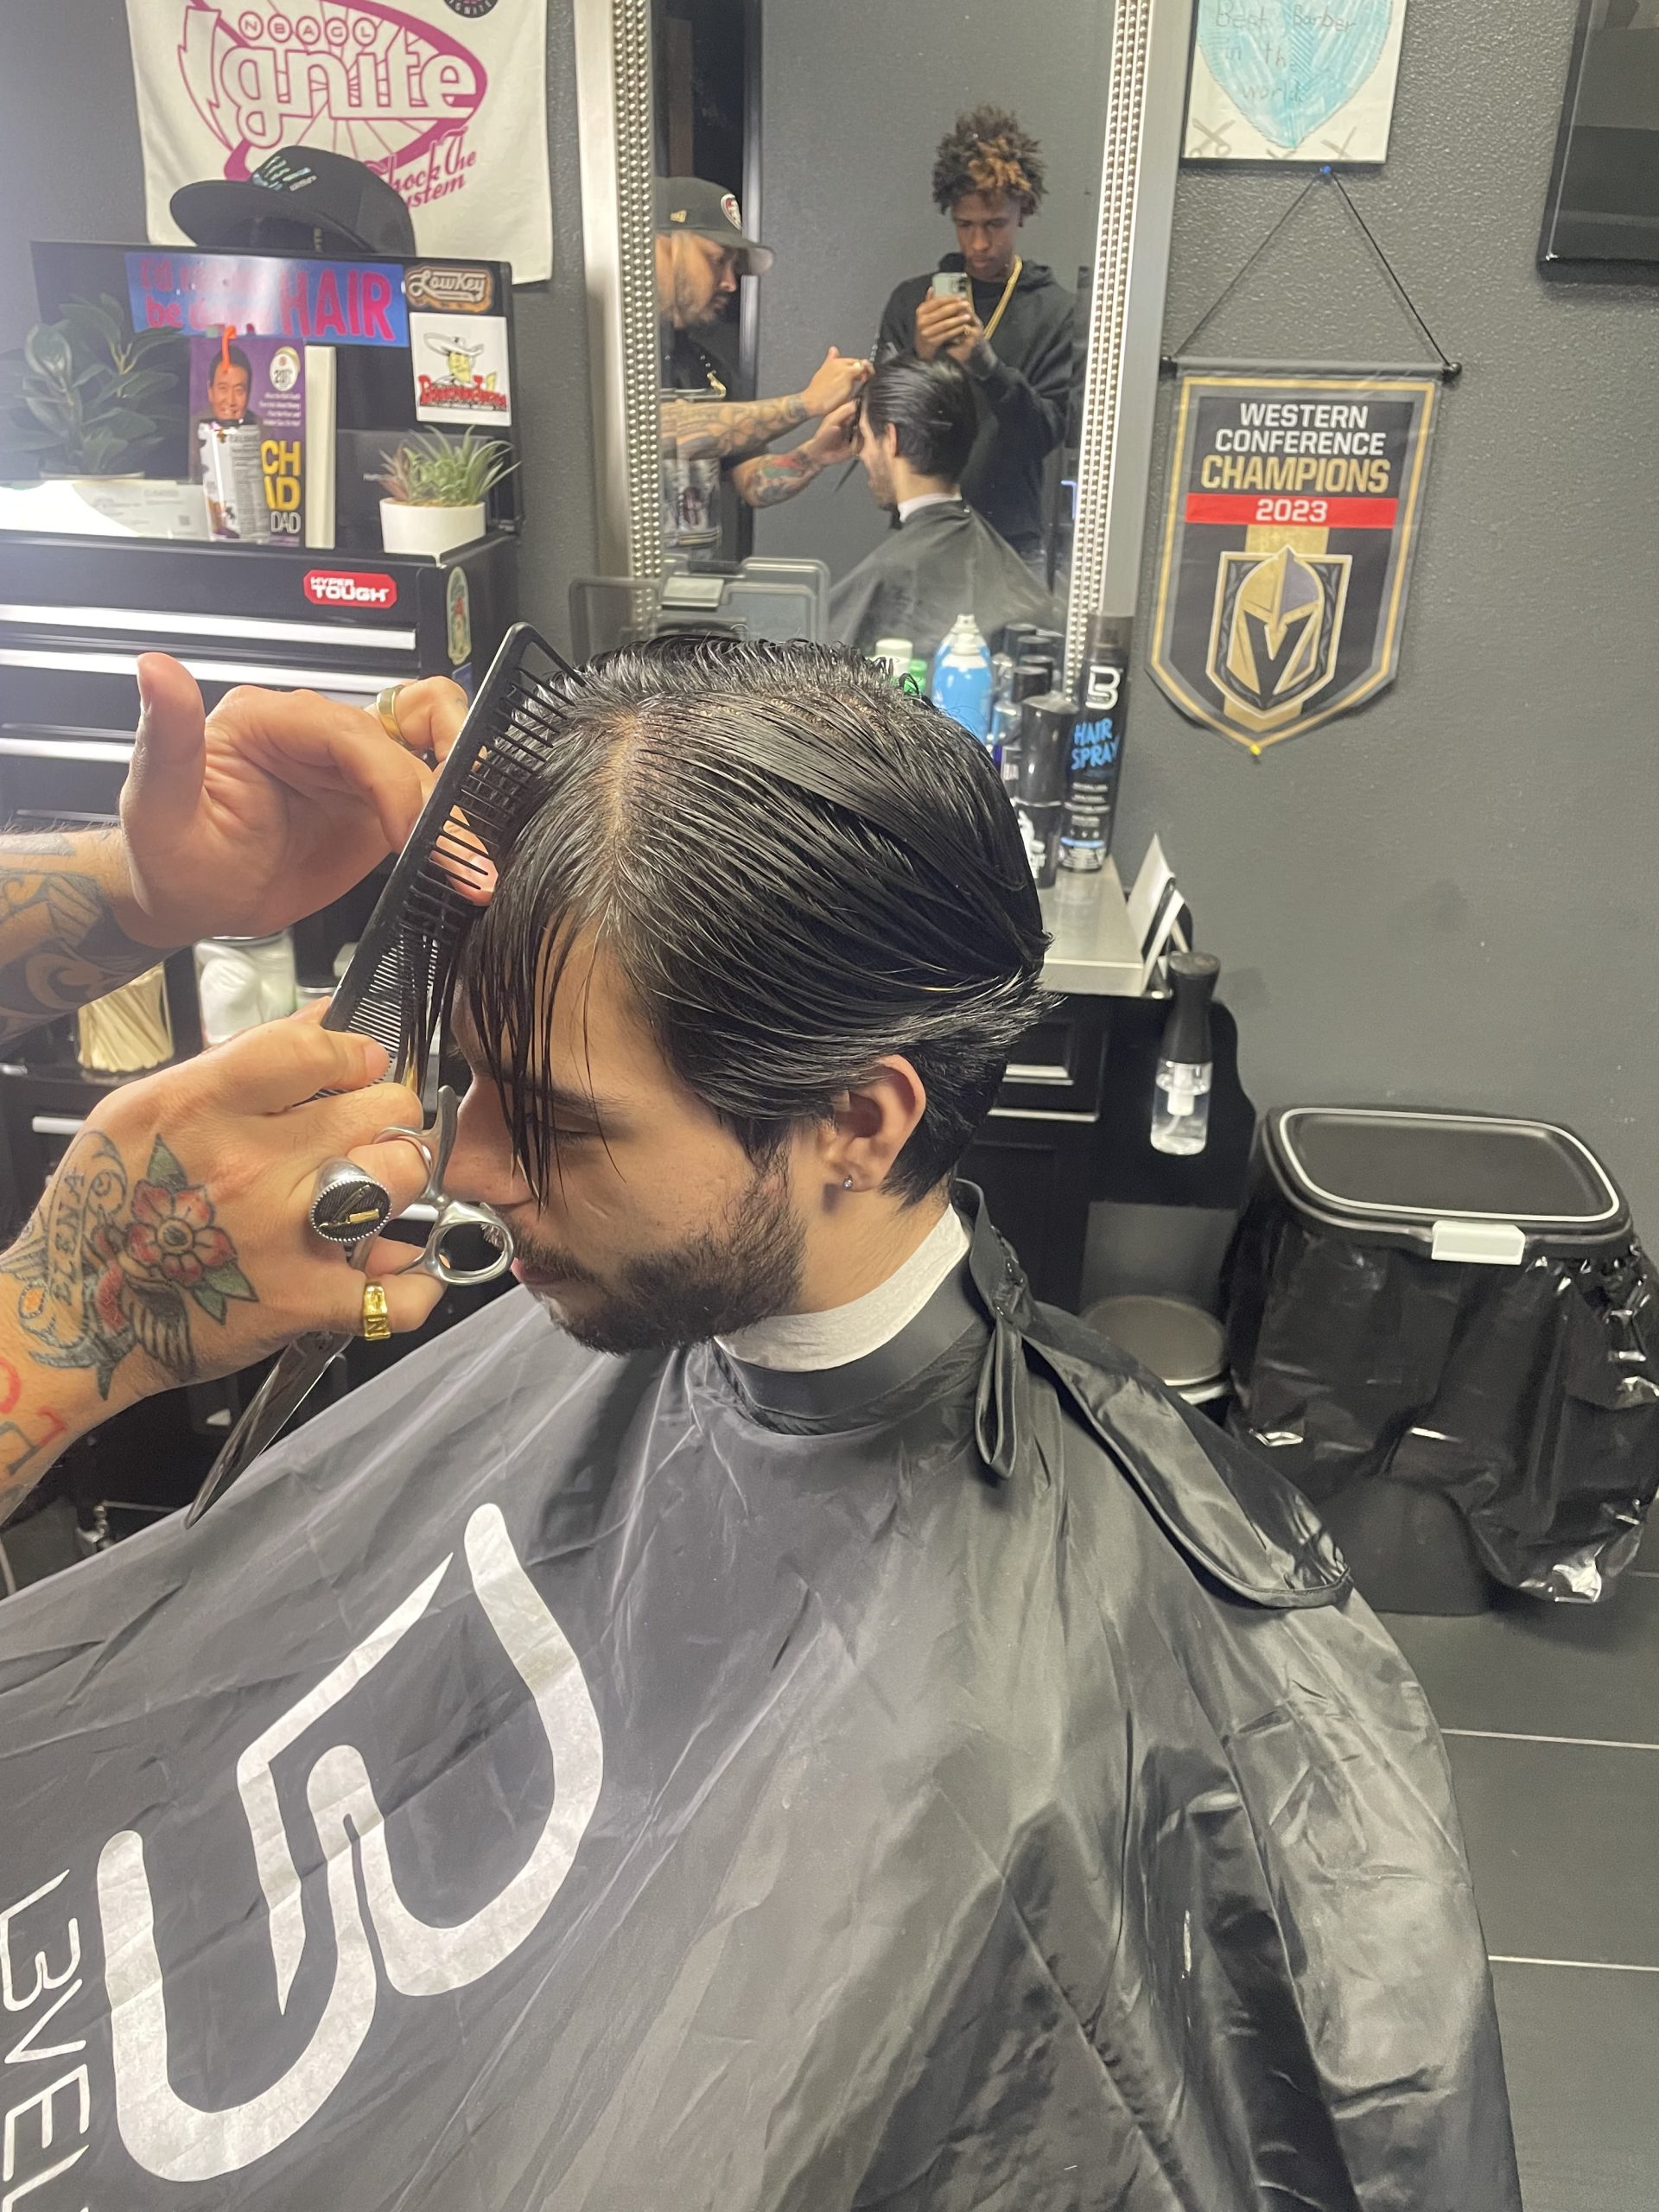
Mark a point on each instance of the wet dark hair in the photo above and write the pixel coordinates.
(987, 151)
(932, 406)
(797, 869)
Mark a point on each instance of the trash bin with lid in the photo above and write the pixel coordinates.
(1443, 1330)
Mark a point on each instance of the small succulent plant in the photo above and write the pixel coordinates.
(434, 471)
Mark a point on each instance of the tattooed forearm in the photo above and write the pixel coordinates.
(31, 1437)
(771, 477)
(110, 1267)
(60, 944)
(699, 427)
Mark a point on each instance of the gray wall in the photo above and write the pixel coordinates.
(70, 169)
(856, 97)
(1452, 895)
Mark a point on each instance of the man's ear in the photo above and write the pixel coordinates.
(870, 1125)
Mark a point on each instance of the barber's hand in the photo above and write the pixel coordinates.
(942, 324)
(834, 382)
(276, 804)
(174, 1242)
(834, 439)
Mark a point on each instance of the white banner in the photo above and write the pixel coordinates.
(447, 100)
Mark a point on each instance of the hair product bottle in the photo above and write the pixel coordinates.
(1097, 745)
(962, 677)
(1045, 724)
(1180, 1098)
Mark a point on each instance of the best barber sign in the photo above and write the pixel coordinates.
(444, 99)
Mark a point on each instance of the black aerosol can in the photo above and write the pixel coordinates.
(1097, 745)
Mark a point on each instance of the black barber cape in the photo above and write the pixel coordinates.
(943, 562)
(1022, 396)
(960, 1779)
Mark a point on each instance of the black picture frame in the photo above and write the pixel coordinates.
(1600, 165)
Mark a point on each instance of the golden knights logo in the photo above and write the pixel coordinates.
(1291, 518)
(1278, 622)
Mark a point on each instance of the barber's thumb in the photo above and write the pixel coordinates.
(169, 751)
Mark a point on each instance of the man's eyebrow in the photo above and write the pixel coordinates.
(582, 1105)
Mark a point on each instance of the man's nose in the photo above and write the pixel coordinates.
(482, 1165)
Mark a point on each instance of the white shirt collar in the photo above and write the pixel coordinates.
(808, 1341)
(908, 507)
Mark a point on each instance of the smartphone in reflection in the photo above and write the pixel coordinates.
(951, 284)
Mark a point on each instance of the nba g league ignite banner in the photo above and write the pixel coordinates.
(1293, 513)
(444, 99)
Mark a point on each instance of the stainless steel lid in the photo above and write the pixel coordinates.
(1477, 1187)
(1185, 1347)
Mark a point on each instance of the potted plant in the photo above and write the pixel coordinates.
(435, 489)
(79, 409)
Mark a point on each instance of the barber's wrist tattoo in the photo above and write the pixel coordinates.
(772, 477)
(109, 1267)
(31, 1437)
(60, 944)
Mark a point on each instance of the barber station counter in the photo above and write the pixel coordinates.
(1092, 950)
(1037, 1158)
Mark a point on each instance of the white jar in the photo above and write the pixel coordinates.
(242, 981)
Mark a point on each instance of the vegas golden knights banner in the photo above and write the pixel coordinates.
(1292, 515)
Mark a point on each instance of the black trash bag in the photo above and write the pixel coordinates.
(1529, 1396)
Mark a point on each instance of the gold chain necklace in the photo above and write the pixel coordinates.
(1008, 294)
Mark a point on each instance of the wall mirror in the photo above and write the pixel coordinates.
(884, 225)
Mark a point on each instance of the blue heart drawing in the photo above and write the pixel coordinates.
(1289, 64)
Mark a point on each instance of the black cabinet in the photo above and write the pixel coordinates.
(1034, 1160)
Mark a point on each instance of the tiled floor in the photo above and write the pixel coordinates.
(1551, 1716)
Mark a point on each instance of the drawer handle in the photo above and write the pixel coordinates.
(1035, 1071)
(56, 1125)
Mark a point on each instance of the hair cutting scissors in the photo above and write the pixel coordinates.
(302, 1366)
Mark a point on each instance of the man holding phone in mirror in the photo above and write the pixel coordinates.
(1002, 317)
(706, 437)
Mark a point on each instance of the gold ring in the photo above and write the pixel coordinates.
(385, 709)
(377, 1322)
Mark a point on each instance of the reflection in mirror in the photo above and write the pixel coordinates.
(872, 228)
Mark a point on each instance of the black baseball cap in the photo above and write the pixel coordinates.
(708, 211)
(296, 193)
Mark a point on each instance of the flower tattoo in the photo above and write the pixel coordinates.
(107, 1269)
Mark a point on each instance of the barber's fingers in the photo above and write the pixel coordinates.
(318, 747)
(430, 714)
(282, 1063)
(411, 1294)
(165, 779)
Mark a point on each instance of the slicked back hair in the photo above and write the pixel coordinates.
(797, 869)
(932, 406)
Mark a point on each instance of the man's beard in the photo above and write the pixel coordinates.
(743, 1270)
(691, 311)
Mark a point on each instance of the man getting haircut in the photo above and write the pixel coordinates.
(767, 1716)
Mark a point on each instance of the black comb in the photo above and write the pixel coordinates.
(399, 976)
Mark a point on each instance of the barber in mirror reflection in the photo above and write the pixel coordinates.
(915, 432)
(710, 439)
(1010, 328)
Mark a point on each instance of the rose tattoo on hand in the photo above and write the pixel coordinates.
(107, 1268)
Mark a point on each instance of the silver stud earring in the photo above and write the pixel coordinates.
(848, 1184)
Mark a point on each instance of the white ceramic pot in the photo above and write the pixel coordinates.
(428, 530)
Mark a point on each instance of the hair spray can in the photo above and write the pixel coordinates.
(1097, 745)
(1045, 725)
